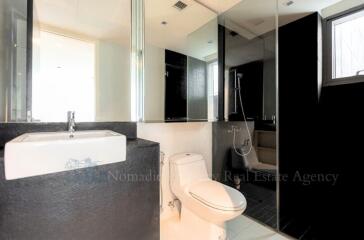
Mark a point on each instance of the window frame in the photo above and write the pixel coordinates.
(211, 89)
(327, 48)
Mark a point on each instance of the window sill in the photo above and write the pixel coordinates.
(342, 81)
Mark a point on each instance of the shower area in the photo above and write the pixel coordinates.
(270, 66)
(251, 98)
(246, 140)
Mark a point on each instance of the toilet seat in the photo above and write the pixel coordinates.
(218, 196)
(206, 205)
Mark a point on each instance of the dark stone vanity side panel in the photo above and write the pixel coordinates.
(8, 131)
(109, 202)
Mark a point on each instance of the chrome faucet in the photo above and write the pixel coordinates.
(71, 123)
(358, 73)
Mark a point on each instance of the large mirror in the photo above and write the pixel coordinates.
(13, 60)
(181, 70)
(81, 52)
(70, 55)
(78, 59)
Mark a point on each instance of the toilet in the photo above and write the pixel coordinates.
(205, 204)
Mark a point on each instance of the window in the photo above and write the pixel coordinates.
(213, 89)
(64, 78)
(346, 48)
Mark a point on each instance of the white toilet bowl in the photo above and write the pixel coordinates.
(206, 204)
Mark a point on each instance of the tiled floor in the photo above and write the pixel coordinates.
(241, 228)
(261, 203)
(300, 229)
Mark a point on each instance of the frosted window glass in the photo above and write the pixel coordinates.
(348, 46)
(64, 80)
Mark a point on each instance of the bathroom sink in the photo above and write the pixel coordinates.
(33, 154)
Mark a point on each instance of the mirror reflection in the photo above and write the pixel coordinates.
(13, 60)
(181, 70)
(249, 148)
(81, 52)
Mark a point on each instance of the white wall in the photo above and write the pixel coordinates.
(177, 138)
(154, 83)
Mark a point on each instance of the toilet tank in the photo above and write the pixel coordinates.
(187, 168)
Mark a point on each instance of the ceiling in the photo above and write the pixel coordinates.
(301, 7)
(254, 21)
(111, 20)
(218, 6)
(106, 19)
(340, 7)
(192, 31)
(187, 31)
(251, 18)
(179, 24)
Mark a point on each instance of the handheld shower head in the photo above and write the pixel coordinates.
(239, 77)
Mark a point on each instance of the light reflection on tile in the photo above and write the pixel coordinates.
(241, 228)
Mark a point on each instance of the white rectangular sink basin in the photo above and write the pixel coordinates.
(33, 154)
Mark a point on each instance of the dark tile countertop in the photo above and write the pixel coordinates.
(139, 143)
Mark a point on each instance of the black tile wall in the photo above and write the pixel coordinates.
(222, 142)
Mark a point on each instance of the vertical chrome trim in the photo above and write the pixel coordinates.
(137, 60)
(187, 92)
(277, 116)
(319, 57)
(29, 57)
